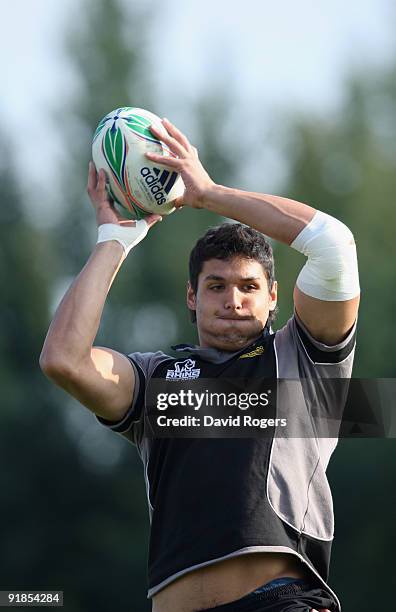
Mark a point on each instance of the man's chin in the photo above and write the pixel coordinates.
(231, 344)
(233, 340)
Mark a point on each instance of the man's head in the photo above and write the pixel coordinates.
(232, 290)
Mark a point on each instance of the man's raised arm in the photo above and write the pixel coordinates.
(100, 378)
(327, 290)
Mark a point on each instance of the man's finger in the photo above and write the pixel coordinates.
(126, 223)
(92, 178)
(179, 202)
(102, 179)
(170, 162)
(176, 133)
(171, 142)
(152, 219)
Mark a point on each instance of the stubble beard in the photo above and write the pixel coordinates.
(233, 340)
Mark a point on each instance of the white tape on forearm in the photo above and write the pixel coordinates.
(127, 236)
(331, 272)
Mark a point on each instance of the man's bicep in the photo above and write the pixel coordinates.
(105, 383)
(328, 322)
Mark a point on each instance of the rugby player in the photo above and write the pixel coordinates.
(236, 524)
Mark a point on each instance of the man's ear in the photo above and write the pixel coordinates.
(191, 298)
(273, 296)
(191, 302)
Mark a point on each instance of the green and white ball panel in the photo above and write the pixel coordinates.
(136, 184)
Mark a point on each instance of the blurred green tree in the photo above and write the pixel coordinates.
(57, 512)
(109, 57)
(74, 510)
(345, 166)
(146, 309)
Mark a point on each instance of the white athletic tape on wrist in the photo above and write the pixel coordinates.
(127, 236)
(331, 272)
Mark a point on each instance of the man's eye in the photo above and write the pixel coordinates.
(250, 287)
(215, 287)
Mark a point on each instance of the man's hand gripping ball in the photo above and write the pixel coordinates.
(186, 163)
(111, 226)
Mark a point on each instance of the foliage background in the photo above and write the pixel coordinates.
(73, 508)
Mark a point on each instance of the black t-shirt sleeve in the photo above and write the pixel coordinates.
(134, 412)
(320, 353)
(131, 426)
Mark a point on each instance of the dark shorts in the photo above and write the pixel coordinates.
(281, 595)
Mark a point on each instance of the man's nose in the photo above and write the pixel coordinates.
(233, 299)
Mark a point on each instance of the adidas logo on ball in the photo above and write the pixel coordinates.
(159, 181)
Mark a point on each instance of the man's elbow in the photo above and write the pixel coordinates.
(56, 367)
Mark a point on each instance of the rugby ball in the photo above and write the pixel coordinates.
(138, 186)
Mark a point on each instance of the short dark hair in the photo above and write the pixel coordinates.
(231, 240)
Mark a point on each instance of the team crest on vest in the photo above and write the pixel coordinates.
(183, 370)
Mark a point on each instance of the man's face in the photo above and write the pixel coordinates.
(232, 302)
